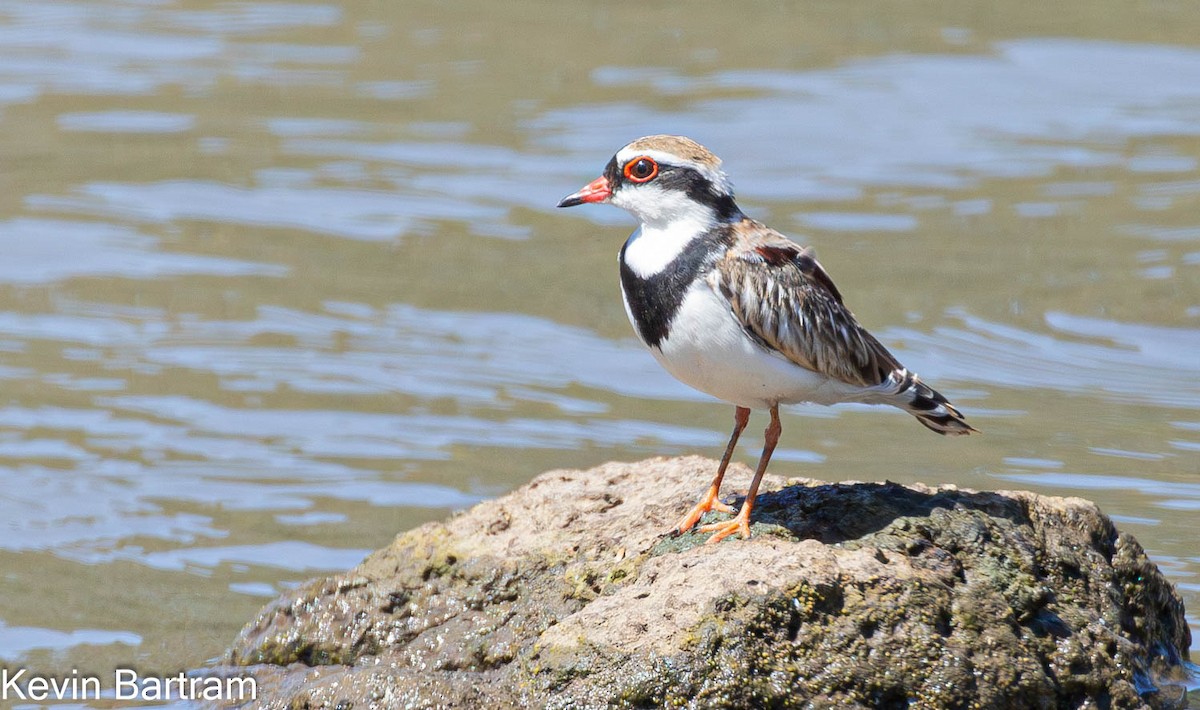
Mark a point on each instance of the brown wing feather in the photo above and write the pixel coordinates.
(786, 301)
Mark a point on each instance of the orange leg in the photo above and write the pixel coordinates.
(741, 524)
(710, 501)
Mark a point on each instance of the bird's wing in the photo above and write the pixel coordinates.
(786, 302)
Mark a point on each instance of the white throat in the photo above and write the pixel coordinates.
(649, 249)
(670, 221)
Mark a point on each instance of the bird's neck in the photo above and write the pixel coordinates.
(657, 244)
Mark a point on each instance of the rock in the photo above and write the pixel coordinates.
(567, 594)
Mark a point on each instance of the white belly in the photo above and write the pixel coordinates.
(707, 349)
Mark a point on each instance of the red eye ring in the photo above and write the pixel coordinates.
(641, 169)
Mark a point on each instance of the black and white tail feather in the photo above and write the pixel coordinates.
(926, 404)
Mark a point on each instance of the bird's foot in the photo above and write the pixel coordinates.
(725, 528)
(709, 502)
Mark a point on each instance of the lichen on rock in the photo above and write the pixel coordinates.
(567, 593)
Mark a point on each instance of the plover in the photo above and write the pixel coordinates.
(735, 309)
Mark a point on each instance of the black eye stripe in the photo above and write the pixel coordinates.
(698, 187)
(678, 177)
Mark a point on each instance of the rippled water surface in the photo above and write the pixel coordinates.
(280, 280)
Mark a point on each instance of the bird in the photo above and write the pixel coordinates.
(739, 311)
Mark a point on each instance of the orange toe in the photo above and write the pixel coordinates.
(693, 516)
(725, 528)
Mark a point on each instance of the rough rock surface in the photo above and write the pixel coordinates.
(567, 593)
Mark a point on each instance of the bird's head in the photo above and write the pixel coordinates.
(661, 180)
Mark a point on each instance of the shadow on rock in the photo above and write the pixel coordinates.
(841, 512)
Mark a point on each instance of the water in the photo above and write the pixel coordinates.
(282, 280)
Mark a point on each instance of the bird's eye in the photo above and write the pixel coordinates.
(641, 169)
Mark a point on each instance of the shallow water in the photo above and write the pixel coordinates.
(282, 280)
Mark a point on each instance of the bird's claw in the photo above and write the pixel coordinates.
(725, 528)
(693, 516)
